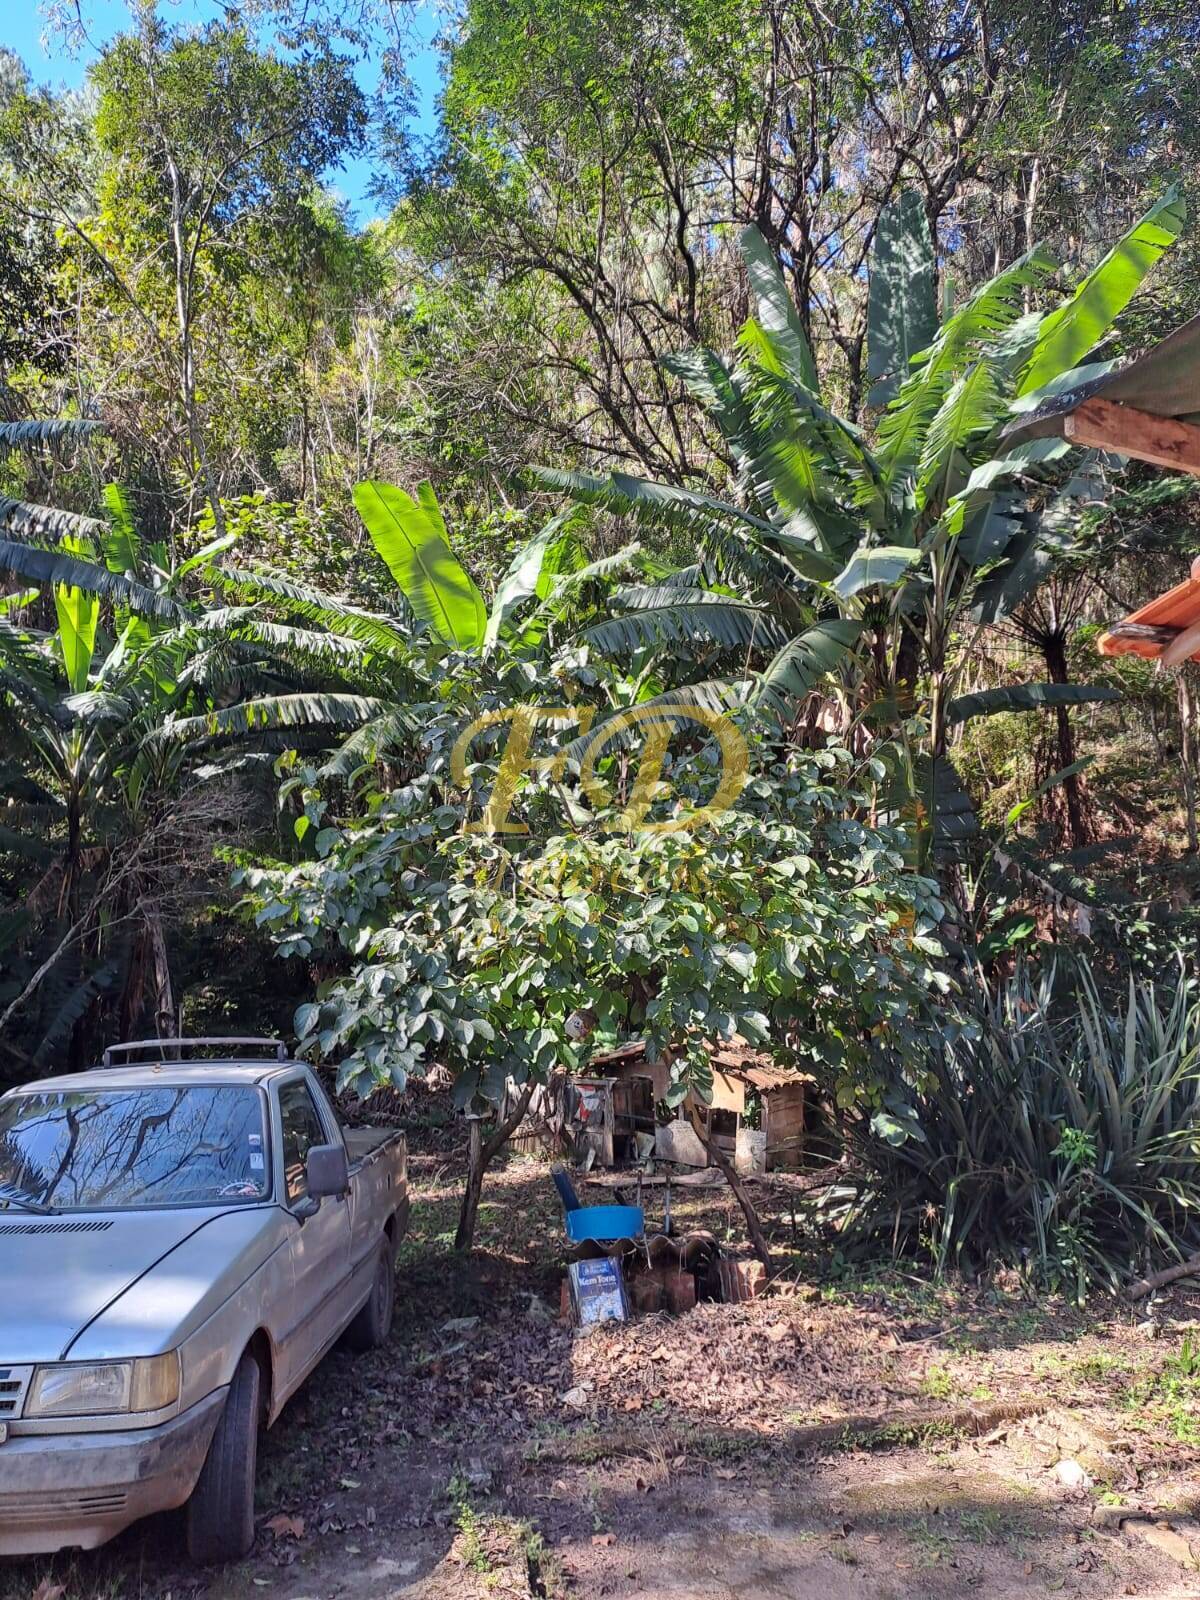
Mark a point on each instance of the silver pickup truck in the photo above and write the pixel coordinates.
(181, 1241)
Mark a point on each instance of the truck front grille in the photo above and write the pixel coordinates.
(13, 1383)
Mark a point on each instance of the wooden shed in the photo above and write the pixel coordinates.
(748, 1087)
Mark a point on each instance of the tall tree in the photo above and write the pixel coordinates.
(201, 169)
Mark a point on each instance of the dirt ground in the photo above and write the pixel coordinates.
(844, 1436)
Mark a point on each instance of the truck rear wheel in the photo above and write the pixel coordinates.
(373, 1323)
(220, 1513)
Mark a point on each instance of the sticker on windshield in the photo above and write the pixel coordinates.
(256, 1161)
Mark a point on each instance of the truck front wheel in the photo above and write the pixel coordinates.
(220, 1514)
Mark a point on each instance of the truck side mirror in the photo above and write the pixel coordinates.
(327, 1171)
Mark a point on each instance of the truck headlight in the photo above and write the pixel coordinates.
(90, 1388)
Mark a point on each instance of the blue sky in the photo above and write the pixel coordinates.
(22, 28)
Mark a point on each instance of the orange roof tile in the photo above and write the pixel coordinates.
(1165, 616)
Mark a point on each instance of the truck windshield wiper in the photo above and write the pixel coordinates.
(12, 1196)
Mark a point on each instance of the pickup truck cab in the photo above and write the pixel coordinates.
(181, 1241)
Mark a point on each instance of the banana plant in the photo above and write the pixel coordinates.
(114, 681)
(846, 556)
(411, 537)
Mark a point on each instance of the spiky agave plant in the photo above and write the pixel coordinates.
(1045, 1127)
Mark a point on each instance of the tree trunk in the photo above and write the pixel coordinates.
(480, 1153)
(465, 1237)
(753, 1226)
(1079, 829)
(165, 1020)
(1187, 751)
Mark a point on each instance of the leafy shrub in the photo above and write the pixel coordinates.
(1042, 1129)
(785, 920)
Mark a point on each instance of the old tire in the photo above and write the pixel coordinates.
(373, 1323)
(220, 1513)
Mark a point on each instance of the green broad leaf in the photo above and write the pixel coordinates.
(1034, 453)
(1031, 553)
(804, 661)
(39, 566)
(28, 521)
(970, 409)
(777, 315)
(711, 383)
(57, 430)
(982, 325)
(1063, 384)
(659, 616)
(119, 541)
(896, 1130)
(883, 564)
(410, 535)
(1052, 782)
(1066, 335)
(902, 315)
(1026, 697)
(78, 613)
(950, 808)
(306, 1019)
(206, 554)
(740, 958)
(989, 531)
(531, 573)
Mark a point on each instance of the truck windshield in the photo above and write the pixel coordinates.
(118, 1149)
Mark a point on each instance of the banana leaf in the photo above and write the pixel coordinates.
(410, 535)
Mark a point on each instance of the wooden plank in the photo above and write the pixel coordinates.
(1163, 441)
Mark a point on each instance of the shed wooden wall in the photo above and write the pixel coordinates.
(785, 1125)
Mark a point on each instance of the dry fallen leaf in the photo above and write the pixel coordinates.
(49, 1590)
(777, 1332)
(284, 1527)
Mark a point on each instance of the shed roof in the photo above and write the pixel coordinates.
(1149, 409)
(733, 1058)
(1164, 382)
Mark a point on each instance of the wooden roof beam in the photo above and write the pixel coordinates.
(1164, 441)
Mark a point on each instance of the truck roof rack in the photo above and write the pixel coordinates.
(173, 1049)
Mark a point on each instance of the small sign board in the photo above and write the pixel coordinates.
(597, 1292)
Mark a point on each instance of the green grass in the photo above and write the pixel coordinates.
(1170, 1398)
(938, 1383)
